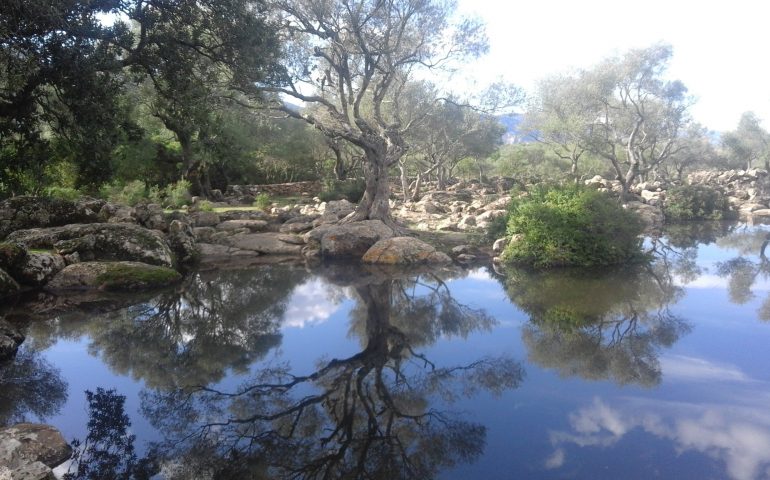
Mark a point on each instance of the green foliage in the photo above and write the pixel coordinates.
(65, 193)
(177, 194)
(571, 226)
(695, 202)
(130, 193)
(262, 201)
(132, 277)
(351, 190)
(205, 206)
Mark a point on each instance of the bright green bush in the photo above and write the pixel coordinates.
(205, 206)
(262, 201)
(177, 194)
(130, 193)
(571, 226)
(64, 193)
(695, 202)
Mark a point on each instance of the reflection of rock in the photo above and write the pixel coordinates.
(10, 339)
(101, 241)
(403, 250)
(121, 276)
(29, 451)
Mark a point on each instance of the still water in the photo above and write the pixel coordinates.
(654, 371)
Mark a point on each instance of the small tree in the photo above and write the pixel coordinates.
(748, 143)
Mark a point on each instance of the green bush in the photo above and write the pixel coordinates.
(130, 193)
(64, 193)
(695, 202)
(177, 194)
(205, 206)
(351, 190)
(262, 201)
(571, 226)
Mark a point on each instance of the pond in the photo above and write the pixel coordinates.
(342, 372)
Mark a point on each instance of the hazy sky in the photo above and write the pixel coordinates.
(721, 49)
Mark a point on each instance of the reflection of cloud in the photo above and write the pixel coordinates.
(556, 460)
(682, 367)
(714, 281)
(737, 435)
(309, 304)
(481, 275)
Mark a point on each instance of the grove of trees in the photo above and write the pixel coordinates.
(212, 93)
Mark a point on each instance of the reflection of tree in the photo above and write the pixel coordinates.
(751, 265)
(29, 385)
(193, 334)
(600, 326)
(108, 449)
(365, 416)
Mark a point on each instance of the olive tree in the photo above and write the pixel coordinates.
(621, 110)
(748, 143)
(351, 60)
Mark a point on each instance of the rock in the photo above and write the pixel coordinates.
(761, 213)
(10, 339)
(251, 225)
(38, 268)
(181, 239)
(333, 211)
(119, 276)
(150, 216)
(490, 215)
(461, 249)
(30, 451)
(11, 255)
(101, 241)
(466, 222)
(446, 224)
(114, 213)
(266, 243)
(652, 216)
(404, 251)
(499, 245)
(595, 182)
(465, 258)
(8, 285)
(25, 212)
(427, 206)
(346, 240)
(203, 234)
(205, 219)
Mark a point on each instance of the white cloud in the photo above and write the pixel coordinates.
(309, 304)
(681, 367)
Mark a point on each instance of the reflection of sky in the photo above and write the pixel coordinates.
(707, 419)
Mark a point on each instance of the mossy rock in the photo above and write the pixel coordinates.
(11, 255)
(113, 276)
(8, 286)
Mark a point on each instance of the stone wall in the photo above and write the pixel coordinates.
(310, 189)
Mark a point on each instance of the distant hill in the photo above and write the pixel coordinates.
(512, 123)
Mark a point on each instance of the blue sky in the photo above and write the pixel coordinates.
(720, 48)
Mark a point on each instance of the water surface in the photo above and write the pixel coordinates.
(652, 371)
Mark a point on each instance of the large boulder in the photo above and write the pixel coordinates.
(181, 239)
(113, 276)
(251, 225)
(10, 339)
(25, 212)
(11, 255)
(37, 268)
(8, 285)
(101, 241)
(349, 240)
(404, 251)
(29, 451)
(151, 216)
(265, 243)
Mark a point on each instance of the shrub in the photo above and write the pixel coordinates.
(130, 193)
(64, 193)
(205, 206)
(571, 226)
(262, 201)
(177, 194)
(351, 190)
(695, 202)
